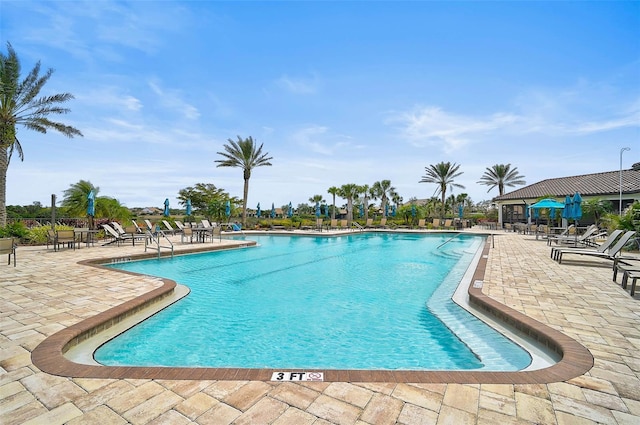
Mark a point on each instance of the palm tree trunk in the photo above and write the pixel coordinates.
(4, 165)
(333, 210)
(244, 203)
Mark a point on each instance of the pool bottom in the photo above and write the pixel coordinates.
(574, 359)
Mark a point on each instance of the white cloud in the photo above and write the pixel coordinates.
(172, 99)
(298, 85)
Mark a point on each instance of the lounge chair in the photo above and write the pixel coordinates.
(422, 223)
(555, 251)
(448, 224)
(205, 223)
(150, 226)
(435, 223)
(180, 225)
(118, 227)
(611, 254)
(568, 236)
(8, 246)
(383, 223)
(169, 228)
(369, 223)
(344, 224)
(138, 228)
(319, 222)
(334, 223)
(118, 238)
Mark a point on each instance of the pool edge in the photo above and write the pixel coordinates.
(575, 360)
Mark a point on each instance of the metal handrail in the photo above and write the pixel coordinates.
(159, 233)
(357, 225)
(448, 240)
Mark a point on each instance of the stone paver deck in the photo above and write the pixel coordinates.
(49, 291)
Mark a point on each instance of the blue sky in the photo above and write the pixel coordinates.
(338, 92)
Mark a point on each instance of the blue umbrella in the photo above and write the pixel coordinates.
(567, 212)
(386, 210)
(326, 210)
(227, 208)
(361, 210)
(526, 211)
(188, 212)
(91, 205)
(258, 210)
(577, 206)
(273, 211)
(318, 210)
(290, 210)
(393, 211)
(166, 207)
(460, 211)
(413, 210)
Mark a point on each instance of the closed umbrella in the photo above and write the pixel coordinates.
(188, 212)
(577, 211)
(413, 211)
(166, 207)
(361, 210)
(91, 208)
(227, 208)
(393, 211)
(273, 211)
(290, 210)
(258, 210)
(318, 213)
(326, 210)
(460, 211)
(567, 212)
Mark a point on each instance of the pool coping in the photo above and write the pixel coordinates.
(49, 356)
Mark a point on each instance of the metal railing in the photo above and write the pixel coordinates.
(154, 239)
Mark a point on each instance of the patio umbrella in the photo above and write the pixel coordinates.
(361, 210)
(227, 208)
(577, 211)
(460, 211)
(393, 211)
(318, 213)
(166, 207)
(91, 208)
(413, 210)
(273, 211)
(386, 210)
(258, 210)
(567, 212)
(188, 212)
(326, 210)
(290, 210)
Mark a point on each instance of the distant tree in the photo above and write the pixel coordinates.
(333, 190)
(245, 154)
(317, 199)
(20, 105)
(442, 174)
(306, 209)
(112, 209)
(75, 199)
(201, 195)
(597, 207)
(501, 175)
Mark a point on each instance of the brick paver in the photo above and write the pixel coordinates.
(48, 291)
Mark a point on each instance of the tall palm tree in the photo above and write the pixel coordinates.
(245, 154)
(317, 199)
(384, 191)
(20, 105)
(76, 197)
(333, 190)
(501, 175)
(365, 190)
(443, 175)
(349, 191)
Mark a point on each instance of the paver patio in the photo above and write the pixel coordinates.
(48, 291)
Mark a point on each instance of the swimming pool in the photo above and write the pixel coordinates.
(362, 301)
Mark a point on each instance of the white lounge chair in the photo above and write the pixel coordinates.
(118, 238)
(555, 251)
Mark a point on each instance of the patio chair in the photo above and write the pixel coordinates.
(435, 223)
(602, 248)
(344, 224)
(180, 225)
(149, 225)
(118, 227)
(319, 222)
(8, 246)
(51, 238)
(611, 254)
(369, 223)
(187, 232)
(138, 228)
(383, 223)
(334, 223)
(422, 223)
(65, 237)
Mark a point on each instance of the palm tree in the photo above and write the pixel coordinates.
(384, 191)
(76, 197)
(333, 191)
(501, 175)
(246, 155)
(19, 104)
(349, 191)
(317, 199)
(442, 174)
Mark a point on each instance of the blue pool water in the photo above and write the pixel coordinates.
(362, 301)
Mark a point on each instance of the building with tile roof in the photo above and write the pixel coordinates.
(608, 185)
